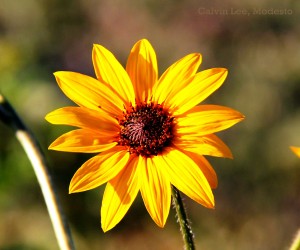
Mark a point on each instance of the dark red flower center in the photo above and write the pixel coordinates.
(146, 129)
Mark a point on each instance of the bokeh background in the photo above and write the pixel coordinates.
(258, 198)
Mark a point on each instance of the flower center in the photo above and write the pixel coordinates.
(146, 129)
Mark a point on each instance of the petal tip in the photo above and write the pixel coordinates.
(95, 47)
(106, 227)
(211, 205)
(223, 73)
(229, 155)
(160, 226)
(46, 117)
(241, 116)
(144, 40)
(224, 70)
(72, 190)
(160, 221)
(98, 47)
(210, 202)
(58, 73)
(198, 57)
(53, 146)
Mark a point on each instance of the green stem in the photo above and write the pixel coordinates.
(37, 159)
(185, 228)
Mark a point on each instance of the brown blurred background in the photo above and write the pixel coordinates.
(258, 198)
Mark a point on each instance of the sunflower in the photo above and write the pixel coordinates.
(148, 132)
(296, 150)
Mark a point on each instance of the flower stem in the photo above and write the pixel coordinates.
(37, 159)
(185, 228)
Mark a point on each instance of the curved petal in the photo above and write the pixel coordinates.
(110, 71)
(119, 194)
(155, 190)
(296, 150)
(172, 80)
(99, 169)
(83, 118)
(207, 119)
(85, 141)
(203, 84)
(204, 145)
(89, 92)
(205, 167)
(142, 69)
(186, 176)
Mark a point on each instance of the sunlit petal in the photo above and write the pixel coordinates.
(173, 78)
(99, 169)
(88, 92)
(142, 69)
(155, 190)
(207, 119)
(186, 175)
(205, 167)
(119, 194)
(205, 145)
(85, 141)
(111, 72)
(83, 118)
(203, 84)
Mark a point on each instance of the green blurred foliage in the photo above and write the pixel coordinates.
(257, 201)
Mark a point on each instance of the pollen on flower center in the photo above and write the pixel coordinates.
(146, 129)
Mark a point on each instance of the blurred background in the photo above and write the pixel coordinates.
(258, 198)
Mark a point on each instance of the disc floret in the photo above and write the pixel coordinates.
(146, 129)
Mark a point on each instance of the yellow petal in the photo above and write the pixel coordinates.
(207, 119)
(99, 169)
(155, 190)
(205, 167)
(142, 69)
(204, 145)
(83, 118)
(110, 71)
(174, 77)
(85, 141)
(203, 85)
(186, 176)
(119, 194)
(296, 150)
(89, 92)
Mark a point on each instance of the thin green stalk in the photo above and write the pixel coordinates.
(185, 228)
(37, 159)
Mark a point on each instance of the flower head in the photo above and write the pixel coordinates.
(148, 132)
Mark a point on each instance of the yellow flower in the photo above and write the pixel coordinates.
(148, 131)
(296, 150)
